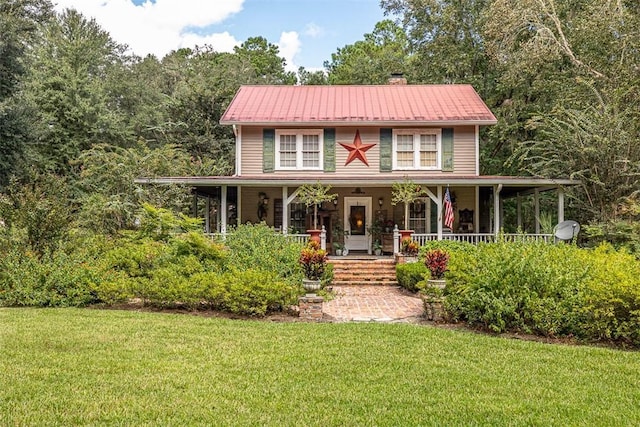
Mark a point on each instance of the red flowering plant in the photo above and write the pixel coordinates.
(437, 261)
(409, 247)
(313, 260)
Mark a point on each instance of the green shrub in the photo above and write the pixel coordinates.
(551, 290)
(622, 234)
(531, 287)
(249, 292)
(190, 270)
(52, 280)
(611, 298)
(260, 247)
(410, 274)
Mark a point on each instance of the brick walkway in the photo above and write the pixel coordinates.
(372, 303)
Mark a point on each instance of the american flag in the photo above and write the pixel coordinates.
(448, 210)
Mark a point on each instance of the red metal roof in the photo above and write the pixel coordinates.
(336, 105)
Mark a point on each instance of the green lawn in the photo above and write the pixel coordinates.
(93, 367)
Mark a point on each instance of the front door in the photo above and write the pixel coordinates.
(357, 218)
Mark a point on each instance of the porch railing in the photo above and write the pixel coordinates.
(422, 238)
(476, 238)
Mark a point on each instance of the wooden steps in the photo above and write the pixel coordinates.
(366, 271)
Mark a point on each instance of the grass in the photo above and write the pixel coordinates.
(93, 367)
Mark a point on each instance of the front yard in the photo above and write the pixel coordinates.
(89, 367)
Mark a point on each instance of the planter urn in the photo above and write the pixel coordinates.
(311, 285)
(314, 235)
(405, 234)
(437, 283)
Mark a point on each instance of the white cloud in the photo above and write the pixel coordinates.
(289, 46)
(161, 26)
(313, 30)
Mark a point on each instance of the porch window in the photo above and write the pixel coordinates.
(416, 149)
(299, 149)
(418, 216)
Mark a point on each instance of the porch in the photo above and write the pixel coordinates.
(362, 217)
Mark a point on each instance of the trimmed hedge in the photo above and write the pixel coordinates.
(411, 274)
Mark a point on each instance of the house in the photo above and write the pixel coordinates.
(361, 140)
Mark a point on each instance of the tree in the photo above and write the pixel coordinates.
(313, 195)
(264, 59)
(312, 77)
(372, 60)
(66, 86)
(445, 40)
(37, 213)
(405, 192)
(580, 66)
(20, 26)
(109, 196)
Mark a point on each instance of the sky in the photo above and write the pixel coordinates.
(307, 32)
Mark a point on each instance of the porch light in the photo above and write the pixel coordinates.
(335, 202)
(380, 200)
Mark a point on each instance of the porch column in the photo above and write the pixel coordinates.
(496, 208)
(239, 206)
(536, 203)
(285, 210)
(396, 240)
(323, 238)
(560, 204)
(519, 210)
(194, 205)
(224, 212)
(439, 203)
(207, 215)
(476, 213)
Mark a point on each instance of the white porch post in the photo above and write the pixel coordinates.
(496, 208)
(224, 212)
(285, 210)
(519, 210)
(239, 206)
(536, 202)
(396, 240)
(323, 238)
(439, 203)
(560, 204)
(207, 215)
(476, 213)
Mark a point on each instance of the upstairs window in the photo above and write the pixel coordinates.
(299, 149)
(416, 149)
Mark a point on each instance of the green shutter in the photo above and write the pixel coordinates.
(447, 149)
(268, 150)
(329, 150)
(386, 149)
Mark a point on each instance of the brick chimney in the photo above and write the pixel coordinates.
(397, 79)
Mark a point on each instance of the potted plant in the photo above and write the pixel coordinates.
(377, 248)
(375, 231)
(314, 195)
(405, 192)
(338, 247)
(437, 261)
(337, 235)
(409, 250)
(313, 260)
